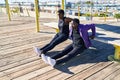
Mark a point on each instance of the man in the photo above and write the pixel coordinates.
(60, 37)
(81, 41)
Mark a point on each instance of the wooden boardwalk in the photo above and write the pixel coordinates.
(18, 61)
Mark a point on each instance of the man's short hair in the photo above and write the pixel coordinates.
(61, 11)
(76, 20)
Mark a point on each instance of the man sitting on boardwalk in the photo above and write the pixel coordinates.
(81, 41)
(60, 37)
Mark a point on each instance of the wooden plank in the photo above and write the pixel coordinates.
(18, 63)
(29, 53)
(74, 70)
(117, 77)
(80, 68)
(113, 75)
(16, 21)
(23, 31)
(13, 75)
(17, 25)
(16, 50)
(13, 44)
(16, 33)
(46, 75)
(16, 28)
(51, 24)
(15, 58)
(21, 67)
(56, 72)
(105, 72)
(90, 71)
(24, 69)
(2, 52)
(34, 73)
(22, 37)
(79, 76)
(25, 49)
(52, 72)
(12, 72)
(22, 55)
(9, 58)
(22, 72)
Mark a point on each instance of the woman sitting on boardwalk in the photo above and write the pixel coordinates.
(60, 37)
(81, 41)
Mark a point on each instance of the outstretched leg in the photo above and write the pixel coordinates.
(39, 50)
(56, 41)
(71, 54)
(57, 35)
(63, 52)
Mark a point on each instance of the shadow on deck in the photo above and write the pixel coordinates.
(98, 53)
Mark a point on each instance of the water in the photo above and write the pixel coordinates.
(2, 5)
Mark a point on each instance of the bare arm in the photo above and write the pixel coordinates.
(68, 20)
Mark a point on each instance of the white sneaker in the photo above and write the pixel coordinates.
(51, 61)
(38, 51)
(44, 58)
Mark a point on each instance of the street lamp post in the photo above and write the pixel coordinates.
(106, 13)
(63, 5)
(8, 10)
(37, 15)
(79, 12)
(91, 8)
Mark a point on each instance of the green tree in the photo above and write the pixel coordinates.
(90, 4)
(117, 16)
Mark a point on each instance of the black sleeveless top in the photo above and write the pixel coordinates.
(64, 28)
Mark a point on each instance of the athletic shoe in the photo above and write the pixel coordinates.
(44, 58)
(51, 61)
(38, 51)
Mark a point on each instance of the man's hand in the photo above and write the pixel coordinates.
(92, 37)
(68, 20)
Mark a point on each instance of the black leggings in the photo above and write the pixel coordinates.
(58, 38)
(68, 53)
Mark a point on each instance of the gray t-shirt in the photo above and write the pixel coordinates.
(77, 39)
